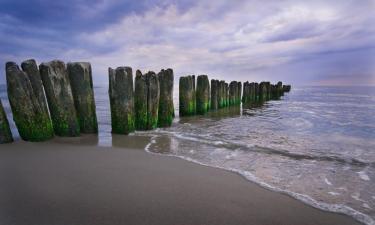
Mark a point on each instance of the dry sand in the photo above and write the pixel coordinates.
(61, 184)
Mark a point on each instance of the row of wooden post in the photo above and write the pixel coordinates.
(52, 99)
(147, 106)
(264, 91)
(199, 99)
(58, 99)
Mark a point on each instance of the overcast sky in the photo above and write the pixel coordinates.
(313, 42)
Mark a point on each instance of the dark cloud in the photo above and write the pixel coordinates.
(303, 42)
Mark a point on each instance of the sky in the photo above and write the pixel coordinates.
(310, 42)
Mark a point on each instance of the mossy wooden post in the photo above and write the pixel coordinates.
(80, 76)
(31, 69)
(60, 98)
(252, 92)
(256, 91)
(268, 88)
(166, 107)
(153, 95)
(5, 132)
(245, 92)
(262, 91)
(286, 88)
(29, 114)
(203, 94)
(187, 96)
(226, 94)
(140, 101)
(214, 94)
(279, 87)
(232, 92)
(121, 98)
(239, 94)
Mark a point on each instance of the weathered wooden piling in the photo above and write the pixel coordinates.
(80, 76)
(286, 88)
(153, 95)
(5, 132)
(246, 95)
(252, 92)
(166, 107)
(202, 94)
(140, 101)
(239, 94)
(233, 93)
(256, 91)
(31, 69)
(214, 94)
(60, 98)
(187, 106)
(268, 88)
(30, 112)
(279, 87)
(226, 94)
(121, 98)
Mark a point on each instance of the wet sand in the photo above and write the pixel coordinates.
(55, 183)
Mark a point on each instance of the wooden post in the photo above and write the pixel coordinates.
(60, 98)
(121, 98)
(5, 132)
(187, 106)
(30, 115)
(153, 95)
(214, 94)
(203, 94)
(166, 107)
(140, 101)
(80, 76)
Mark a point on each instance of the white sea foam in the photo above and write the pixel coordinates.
(333, 193)
(327, 181)
(363, 175)
(336, 208)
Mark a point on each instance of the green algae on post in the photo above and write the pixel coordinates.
(153, 95)
(203, 94)
(121, 98)
(5, 132)
(80, 76)
(60, 98)
(30, 112)
(166, 107)
(140, 101)
(214, 94)
(187, 105)
(239, 89)
(233, 93)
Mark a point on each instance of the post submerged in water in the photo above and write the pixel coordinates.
(153, 95)
(187, 106)
(5, 132)
(26, 98)
(60, 98)
(202, 95)
(121, 98)
(166, 107)
(80, 76)
(214, 94)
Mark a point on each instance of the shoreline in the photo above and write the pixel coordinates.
(110, 185)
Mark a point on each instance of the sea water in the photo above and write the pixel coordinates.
(316, 144)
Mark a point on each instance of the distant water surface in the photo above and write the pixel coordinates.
(316, 144)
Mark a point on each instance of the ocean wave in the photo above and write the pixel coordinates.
(336, 208)
(271, 151)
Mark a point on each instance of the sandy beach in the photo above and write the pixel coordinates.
(57, 183)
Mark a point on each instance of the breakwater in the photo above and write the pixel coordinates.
(55, 98)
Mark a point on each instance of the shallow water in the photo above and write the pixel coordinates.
(316, 144)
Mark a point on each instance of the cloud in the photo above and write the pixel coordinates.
(246, 40)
